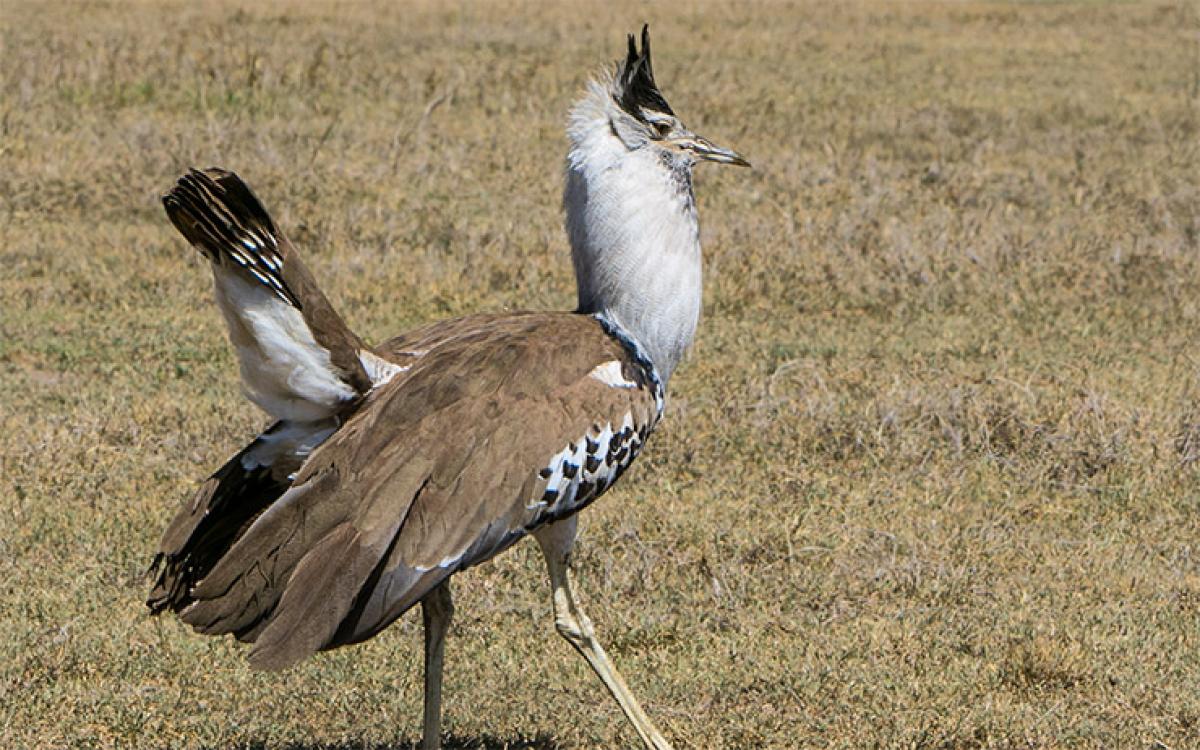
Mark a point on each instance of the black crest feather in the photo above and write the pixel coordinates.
(635, 80)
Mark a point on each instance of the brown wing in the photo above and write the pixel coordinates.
(411, 345)
(208, 524)
(508, 424)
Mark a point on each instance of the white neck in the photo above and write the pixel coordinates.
(635, 238)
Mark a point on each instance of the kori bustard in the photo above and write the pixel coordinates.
(390, 468)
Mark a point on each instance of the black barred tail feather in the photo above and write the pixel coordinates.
(218, 213)
(299, 361)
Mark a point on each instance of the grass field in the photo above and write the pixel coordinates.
(929, 479)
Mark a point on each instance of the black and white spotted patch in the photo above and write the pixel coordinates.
(585, 468)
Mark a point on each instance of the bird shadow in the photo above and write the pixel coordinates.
(451, 742)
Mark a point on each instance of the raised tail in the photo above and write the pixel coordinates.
(303, 365)
(299, 361)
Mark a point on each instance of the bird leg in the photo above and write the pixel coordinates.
(436, 610)
(556, 541)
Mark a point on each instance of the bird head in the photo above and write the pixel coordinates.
(643, 119)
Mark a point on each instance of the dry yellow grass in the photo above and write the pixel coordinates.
(929, 478)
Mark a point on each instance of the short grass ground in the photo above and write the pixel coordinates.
(930, 478)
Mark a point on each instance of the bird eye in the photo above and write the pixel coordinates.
(662, 127)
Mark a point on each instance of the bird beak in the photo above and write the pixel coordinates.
(709, 151)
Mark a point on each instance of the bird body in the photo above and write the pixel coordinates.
(391, 468)
(556, 406)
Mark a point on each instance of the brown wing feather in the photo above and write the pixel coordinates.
(208, 524)
(418, 341)
(484, 495)
(438, 470)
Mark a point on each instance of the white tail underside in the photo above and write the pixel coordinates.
(284, 370)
